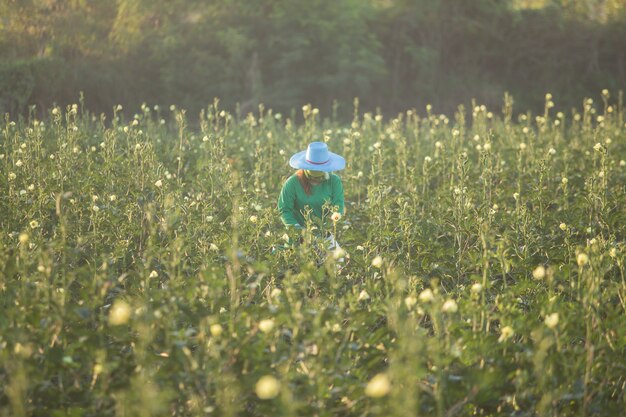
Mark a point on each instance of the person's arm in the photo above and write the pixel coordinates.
(286, 204)
(337, 194)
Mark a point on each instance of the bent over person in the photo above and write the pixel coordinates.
(313, 193)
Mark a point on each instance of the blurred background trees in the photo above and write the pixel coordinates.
(395, 54)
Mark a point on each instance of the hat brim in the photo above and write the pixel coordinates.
(334, 163)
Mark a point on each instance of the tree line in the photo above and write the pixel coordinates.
(392, 54)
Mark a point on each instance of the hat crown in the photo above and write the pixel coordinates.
(317, 157)
(317, 153)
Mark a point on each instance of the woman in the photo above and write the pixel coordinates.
(313, 193)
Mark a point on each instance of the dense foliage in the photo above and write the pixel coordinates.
(395, 54)
(484, 270)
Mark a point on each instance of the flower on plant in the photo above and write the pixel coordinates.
(410, 301)
(363, 296)
(112, 198)
(158, 183)
(563, 226)
(506, 333)
(539, 272)
(34, 224)
(266, 325)
(253, 219)
(378, 387)
(426, 296)
(450, 306)
(552, 320)
(335, 216)
(119, 313)
(597, 147)
(213, 247)
(377, 262)
(582, 259)
(267, 387)
(23, 238)
(154, 274)
(477, 288)
(216, 330)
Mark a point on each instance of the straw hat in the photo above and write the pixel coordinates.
(317, 158)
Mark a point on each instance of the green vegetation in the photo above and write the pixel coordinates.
(485, 271)
(395, 54)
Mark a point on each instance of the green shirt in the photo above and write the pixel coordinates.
(293, 202)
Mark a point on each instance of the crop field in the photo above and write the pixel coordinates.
(144, 269)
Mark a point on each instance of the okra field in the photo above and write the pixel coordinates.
(145, 271)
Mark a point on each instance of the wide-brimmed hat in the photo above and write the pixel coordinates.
(317, 157)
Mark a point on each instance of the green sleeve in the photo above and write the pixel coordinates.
(286, 204)
(337, 193)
